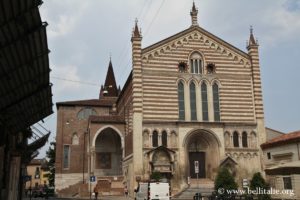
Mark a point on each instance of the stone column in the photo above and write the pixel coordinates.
(159, 138)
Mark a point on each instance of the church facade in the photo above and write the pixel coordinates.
(190, 99)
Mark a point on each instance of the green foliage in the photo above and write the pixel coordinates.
(51, 163)
(258, 182)
(225, 180)
(156, 176)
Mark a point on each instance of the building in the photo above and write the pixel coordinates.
(190, 98)
(25, 89)
(271, 133)
(282, 163)
(37, 169)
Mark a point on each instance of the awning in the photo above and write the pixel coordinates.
(284, 169)
(25, 88)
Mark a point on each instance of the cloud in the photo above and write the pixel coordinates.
(61, 75)
(65, 17)
(281, 24)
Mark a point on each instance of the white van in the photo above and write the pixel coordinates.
(153, 191)
(159, 191)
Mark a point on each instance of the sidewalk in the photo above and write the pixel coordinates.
(99, 198)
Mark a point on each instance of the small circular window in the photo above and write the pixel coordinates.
(182, 66)
(85, 113)
(211, 68)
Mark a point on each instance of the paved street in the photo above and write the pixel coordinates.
(101, 198)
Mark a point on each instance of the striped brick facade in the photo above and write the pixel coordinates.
(145, 121)
(155, 99)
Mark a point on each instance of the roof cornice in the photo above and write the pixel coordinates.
(189, 30)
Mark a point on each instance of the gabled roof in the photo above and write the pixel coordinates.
(273, 130)
(88, 102)
(161, 148)
(228, 159)
(189, 30)
(282, 140)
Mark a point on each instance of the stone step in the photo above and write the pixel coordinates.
(204, 189)
(110, 185)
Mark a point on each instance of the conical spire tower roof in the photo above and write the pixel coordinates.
(109, 89)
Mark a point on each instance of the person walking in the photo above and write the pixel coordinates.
(96, 191)
(126, 191)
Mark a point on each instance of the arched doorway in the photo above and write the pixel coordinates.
(202, 148)
(108, 150)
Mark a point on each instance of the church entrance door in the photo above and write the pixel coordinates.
(200, 157)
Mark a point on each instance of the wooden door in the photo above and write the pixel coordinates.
(200, 157)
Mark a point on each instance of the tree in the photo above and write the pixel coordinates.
(156, 176)
(51, 163)
(259, 183)
(224, 181)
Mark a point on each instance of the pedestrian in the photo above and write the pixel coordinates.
(96, 191)
(126, 191)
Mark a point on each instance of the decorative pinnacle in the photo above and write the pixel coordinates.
(194, 13)
(251, 29)
(136, 32)
(252, 42)
(251, 39)
(194, 7)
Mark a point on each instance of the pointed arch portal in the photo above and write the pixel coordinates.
(202, 147)
(108, 152)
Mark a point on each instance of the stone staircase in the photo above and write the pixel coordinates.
(108, 185)
(70, 191)
(203, 186)
(111, 185)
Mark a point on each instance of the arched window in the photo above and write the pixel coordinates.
(196, 63)
(164, 139)
(75, 139)
(216, 102)
(85, 113)
(181, 101)
(204, 102)
(146, 138)
(236, 139)
(227, 139)
(245, 139)
(155, 139)
(193, 101)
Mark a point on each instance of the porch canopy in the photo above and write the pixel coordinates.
(284, 169)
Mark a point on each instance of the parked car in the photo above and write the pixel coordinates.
(38, 192)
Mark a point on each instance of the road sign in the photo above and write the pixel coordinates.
(245, 182)
(196, 164)
(92, 178)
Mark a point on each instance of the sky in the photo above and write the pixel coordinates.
(84, 35)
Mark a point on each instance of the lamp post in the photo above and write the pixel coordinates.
(90, 160)
(83, 156)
